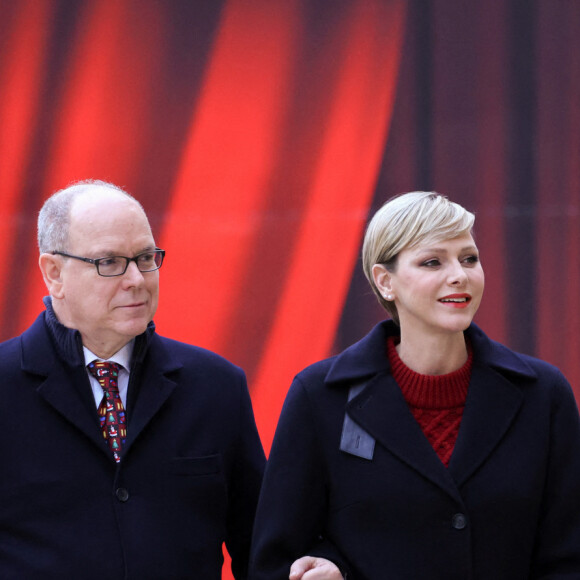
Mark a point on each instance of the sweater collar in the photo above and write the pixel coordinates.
(430, 391)
(69, 345)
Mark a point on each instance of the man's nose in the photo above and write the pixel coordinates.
(133, 273)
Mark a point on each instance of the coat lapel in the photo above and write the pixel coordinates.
(149, 388)
(491, 407)
(382, 411)
(493, 402)
(63, 389)
(65, 386)
(380, 408)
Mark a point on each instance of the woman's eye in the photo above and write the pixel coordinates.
(431, 263)
(472, 259)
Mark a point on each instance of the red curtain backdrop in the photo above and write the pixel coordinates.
(274, 186)
(260, 134)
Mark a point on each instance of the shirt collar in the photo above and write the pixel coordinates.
(122, 357)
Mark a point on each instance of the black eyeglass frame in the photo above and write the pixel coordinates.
(97, 261)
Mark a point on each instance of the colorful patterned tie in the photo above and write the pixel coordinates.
(111, 411)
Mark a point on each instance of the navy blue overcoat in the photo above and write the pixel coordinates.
(370, 493)
(188, 480)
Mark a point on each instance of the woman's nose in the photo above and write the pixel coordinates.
(457, 275)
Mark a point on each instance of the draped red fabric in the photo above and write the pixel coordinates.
(222, 184)
(558, 215)
(470, 166)
(21, 48)
(326, 249)
(98, 128)
(221, 219)
(263, 214)
(260, 135)
(97, 99)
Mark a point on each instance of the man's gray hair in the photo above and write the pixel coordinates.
(54, 217)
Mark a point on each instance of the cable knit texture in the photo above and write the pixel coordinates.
(436, 401)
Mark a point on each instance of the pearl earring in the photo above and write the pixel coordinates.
(389, 296)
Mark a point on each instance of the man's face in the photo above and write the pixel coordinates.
(108, 312)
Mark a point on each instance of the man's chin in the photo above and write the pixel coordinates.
(133, 328)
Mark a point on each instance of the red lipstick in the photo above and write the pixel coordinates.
(456, 300)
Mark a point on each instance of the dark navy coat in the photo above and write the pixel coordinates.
(188, 480)
(378, 501)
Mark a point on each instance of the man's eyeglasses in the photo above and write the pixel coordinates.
(117, 265)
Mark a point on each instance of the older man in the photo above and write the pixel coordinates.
(125, 455)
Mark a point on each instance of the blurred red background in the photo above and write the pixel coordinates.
(261, 134)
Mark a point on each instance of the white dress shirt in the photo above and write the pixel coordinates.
(121, 357)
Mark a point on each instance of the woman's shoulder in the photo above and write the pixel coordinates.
(522, 368)
(364, 358)
(316, 373)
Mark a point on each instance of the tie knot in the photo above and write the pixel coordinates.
(105, 372)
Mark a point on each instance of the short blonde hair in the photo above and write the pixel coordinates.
(405, 221)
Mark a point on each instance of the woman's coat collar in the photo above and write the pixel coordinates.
(368, 357)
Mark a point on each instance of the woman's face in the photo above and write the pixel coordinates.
(437, 286)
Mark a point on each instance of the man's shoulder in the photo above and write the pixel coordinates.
(191, 355)
(33, 339)
(9, 349)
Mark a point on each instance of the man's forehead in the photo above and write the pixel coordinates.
(130, 250)
(97, 197)
(105, 248)
(110, 223)
(106, 209)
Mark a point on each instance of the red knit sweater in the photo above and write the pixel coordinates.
(436, 401)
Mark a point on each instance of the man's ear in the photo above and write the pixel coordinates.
(383, 280)
(51, 268)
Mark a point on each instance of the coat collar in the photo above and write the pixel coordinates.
(367, 357)
(68, 343)
(493, 401)
(54, 352)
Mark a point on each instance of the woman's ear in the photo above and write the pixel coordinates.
(51, 268)
(383, 281)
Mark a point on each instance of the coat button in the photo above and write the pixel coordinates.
(122, 494)
(459, 521)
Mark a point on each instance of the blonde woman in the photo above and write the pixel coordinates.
(426, 450)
